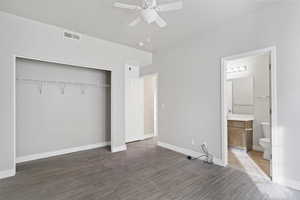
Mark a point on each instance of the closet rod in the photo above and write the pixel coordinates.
(63, 82)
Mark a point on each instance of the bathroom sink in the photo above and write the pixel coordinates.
(240, 117)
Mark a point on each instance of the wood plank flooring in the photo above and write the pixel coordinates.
(257, 157)
(143, 172)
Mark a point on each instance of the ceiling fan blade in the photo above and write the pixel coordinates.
(126, 6)
(170, 6)
(135, 22)
(160, 22)
(154, 3)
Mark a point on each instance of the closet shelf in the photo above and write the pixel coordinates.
(80, 84)
(263, 97)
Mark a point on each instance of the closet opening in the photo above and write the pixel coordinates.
(60, 109)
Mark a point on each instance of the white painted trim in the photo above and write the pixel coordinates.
(14, 98)
(289, 183)
(156, 106)
(142, 106)
(7, 173)
(187, 152)
(147, 136)
(60, 152)
(44, 59)
(272, 51)
(224, 141)
(119, 148)
(136, 139)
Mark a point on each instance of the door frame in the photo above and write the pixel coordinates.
(156, 105)
(140, 104)
(274, 99)
(155, 75)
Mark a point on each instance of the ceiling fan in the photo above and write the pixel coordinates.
(149, 11)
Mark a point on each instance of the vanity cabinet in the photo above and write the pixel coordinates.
(240, 134)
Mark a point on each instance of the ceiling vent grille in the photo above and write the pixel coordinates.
(71, 36)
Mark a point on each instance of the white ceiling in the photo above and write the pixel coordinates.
(99, 19)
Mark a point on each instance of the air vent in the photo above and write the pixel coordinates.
(76, 37)
(71, 36)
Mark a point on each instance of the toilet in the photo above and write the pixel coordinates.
(265, 142)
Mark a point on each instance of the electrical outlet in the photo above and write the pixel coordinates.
(193, 142)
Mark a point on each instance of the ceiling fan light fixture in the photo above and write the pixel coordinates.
(141, 44)
(149, 11)
(149, 15)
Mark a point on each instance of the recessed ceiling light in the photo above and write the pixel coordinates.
(141, 44)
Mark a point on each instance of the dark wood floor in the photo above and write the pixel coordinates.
(143, 172)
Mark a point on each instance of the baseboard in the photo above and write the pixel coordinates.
(147, 136)
(119, 148)
(187, 152)
(60, 152)
(288, 183)
(257, 148)
(7, 173)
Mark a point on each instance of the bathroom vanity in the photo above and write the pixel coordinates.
(240, 131)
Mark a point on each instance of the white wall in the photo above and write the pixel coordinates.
(31, 39)
(258, 71)
(149, 92)
(190, 82)
(57, 121)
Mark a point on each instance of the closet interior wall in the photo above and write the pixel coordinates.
(60, 107)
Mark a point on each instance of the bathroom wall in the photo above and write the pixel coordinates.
(258, 71)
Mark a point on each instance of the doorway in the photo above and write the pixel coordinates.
(134, 104)
(150, 105)
(249, 112)
(140, 105)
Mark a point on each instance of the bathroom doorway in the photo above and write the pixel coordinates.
(249, 112)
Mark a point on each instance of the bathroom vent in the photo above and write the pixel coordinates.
(71, 36)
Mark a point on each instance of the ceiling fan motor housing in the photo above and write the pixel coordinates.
(149, 11)
(149, 15)
(150, 3)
